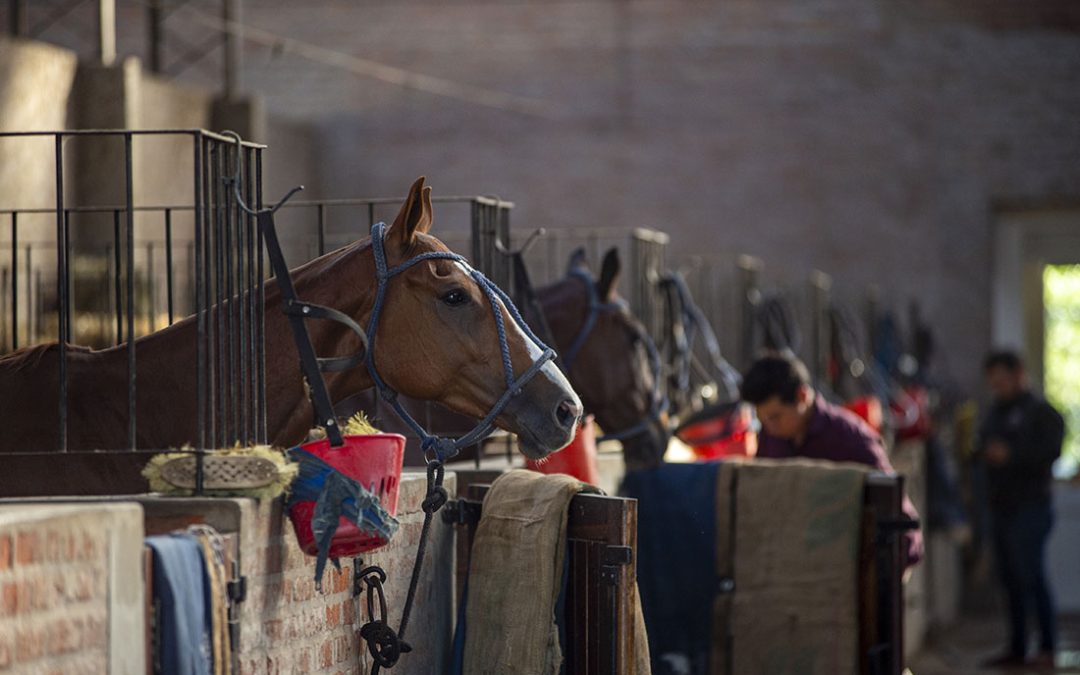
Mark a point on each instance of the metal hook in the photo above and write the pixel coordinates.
(234, 180)
(501, 248)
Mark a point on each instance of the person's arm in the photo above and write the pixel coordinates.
(913, 539)
(1044, 434)
(870, 450)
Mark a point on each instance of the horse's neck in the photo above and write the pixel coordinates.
(343, 280)
(563, 310)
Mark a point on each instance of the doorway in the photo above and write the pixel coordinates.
(1061, 355)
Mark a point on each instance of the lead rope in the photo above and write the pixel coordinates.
(385, 645)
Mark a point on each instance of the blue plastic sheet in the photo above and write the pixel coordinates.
(336, 495)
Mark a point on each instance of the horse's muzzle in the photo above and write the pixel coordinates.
(545, 415)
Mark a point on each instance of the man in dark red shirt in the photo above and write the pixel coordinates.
(798, 422)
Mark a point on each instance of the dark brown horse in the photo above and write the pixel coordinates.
(611, 370)
(436, 340)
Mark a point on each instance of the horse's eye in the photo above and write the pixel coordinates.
(455, 297)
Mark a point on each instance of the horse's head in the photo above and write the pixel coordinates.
(610, 364)
(437, 339)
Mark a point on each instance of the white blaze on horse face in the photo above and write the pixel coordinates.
(549, 369)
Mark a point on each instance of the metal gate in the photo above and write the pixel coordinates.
(643, 253)
(101, 268)
(124, 243)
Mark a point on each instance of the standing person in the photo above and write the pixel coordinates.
(798, 422)
(1018, 443)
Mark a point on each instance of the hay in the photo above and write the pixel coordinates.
(285, 471)
(359, 425)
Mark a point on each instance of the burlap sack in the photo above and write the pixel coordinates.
(515, 576)
(796, 568)
(793, 559)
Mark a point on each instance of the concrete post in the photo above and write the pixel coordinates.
(18, 18)
(156, 37)
(233, 39)
(106, 45)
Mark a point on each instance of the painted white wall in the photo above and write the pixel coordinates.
(1063, 554)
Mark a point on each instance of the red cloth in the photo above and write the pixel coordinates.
(842, 436)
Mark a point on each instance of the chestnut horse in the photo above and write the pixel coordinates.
(437, 340)
(611, 369)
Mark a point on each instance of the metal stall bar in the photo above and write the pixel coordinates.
(15, 281)
(220, 318)
(750, 296)
(61, 289)
(249, 223)
(68, 299)
(117, 276)
(129, 203)
(30, 326)
(232, 411)
(200, 316)
(260, 273)
(151, 290)
(236, 294)
(208, 301)
(169, 264)
(648, 260)
(820, 285)
(320, 212)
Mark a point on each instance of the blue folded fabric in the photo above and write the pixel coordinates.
(184, 619)
(336, 495)
(676, 561)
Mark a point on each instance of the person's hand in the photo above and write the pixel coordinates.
(997, 452)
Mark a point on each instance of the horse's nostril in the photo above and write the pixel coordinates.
(568, 413)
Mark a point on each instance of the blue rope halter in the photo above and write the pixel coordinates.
(445, 448)
(659, 403)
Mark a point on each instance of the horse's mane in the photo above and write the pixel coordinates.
(30, 357)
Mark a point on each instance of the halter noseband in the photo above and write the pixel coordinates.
(445, 448)
(659, 403)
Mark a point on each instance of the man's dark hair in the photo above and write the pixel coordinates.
(770, 376)
(1004, 358)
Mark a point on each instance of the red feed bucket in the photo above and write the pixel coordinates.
(912, 414)
(721, 430)
(375, 462)
(577, 459)
(869, 409)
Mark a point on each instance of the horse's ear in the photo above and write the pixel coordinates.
(425, 224)
(609, 275)
(578, 260)
(414, 216)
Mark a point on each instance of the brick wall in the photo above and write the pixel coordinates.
(58, 574)
(289, 627)
(873, 140)
(870, 139)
